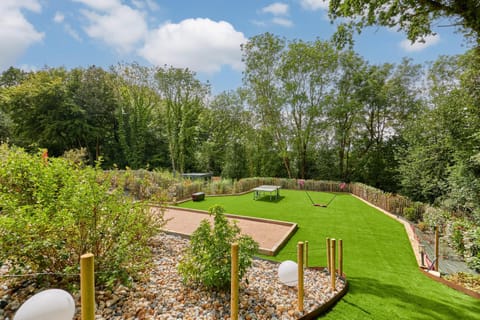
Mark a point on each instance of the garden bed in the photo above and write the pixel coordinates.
(164, 296)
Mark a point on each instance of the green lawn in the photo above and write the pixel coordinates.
(385, 282)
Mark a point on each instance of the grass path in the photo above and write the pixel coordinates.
(385, 282)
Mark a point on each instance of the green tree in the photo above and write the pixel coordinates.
(416, 18)
(430, 147)
(224, 134)
(344, 110)
(92, 90)
(12, 77)
(184, 98)
(139, 113)
(306, 74)
(43, 112)
(262, 56)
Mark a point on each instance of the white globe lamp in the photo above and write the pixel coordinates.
(288, 273)
(51, 304)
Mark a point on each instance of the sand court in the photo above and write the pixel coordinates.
(270, 234)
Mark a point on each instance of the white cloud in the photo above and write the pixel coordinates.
(199, 44)
(277, 9)
(408, 46)
(152, 5)
(32, 5)
(259, 23)
(118, 25)
(16, 30)
(70, 31)
(59, 17)
(101, 5)
(282, 21)
(146, 4)
(315, 4)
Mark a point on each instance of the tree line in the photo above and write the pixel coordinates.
(305, 110)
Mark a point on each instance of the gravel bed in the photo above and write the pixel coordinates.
(164, 296)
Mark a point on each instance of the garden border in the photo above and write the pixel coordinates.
(330, 303)
(415, 247)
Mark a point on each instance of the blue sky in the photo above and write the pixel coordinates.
(202, 35)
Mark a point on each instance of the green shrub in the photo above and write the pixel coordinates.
(472, 248)
(409, 213)
(412, 214)
(52, 212)
(207, 260)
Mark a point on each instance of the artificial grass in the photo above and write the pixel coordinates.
(385, 282)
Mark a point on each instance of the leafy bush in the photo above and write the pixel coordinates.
(472, 248)
(454, 231)
(436, 217)
(410, 214)
(52, 212)
(207, 260)
(413, 213)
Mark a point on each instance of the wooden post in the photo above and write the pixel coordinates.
(340, 257)
(87, 286)
(332, 263)
(328, 255)
(306, 254)
(234, 283)
(437, 240)
(300, 275)
(422, 254)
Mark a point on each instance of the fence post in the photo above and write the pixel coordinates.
(306, 254)
(332, 263)
(422, 254)
(234, 283)
(328, 255)
(437, 240)
(87, 286)
(300, 275)
(340, 257)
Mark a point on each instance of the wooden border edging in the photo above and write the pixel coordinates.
(330, 303)
(451, 284)
(266, 251)
(415, 247)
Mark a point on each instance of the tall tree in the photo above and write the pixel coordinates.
(344, 110)
(224, 131)
(262, 56)
(306, 74)
(139, 116)
(43, 113)
(440, 137)
(92, 89)
(12, 77)
(184, 97)
(389, 99)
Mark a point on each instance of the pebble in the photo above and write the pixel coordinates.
(164, 296)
